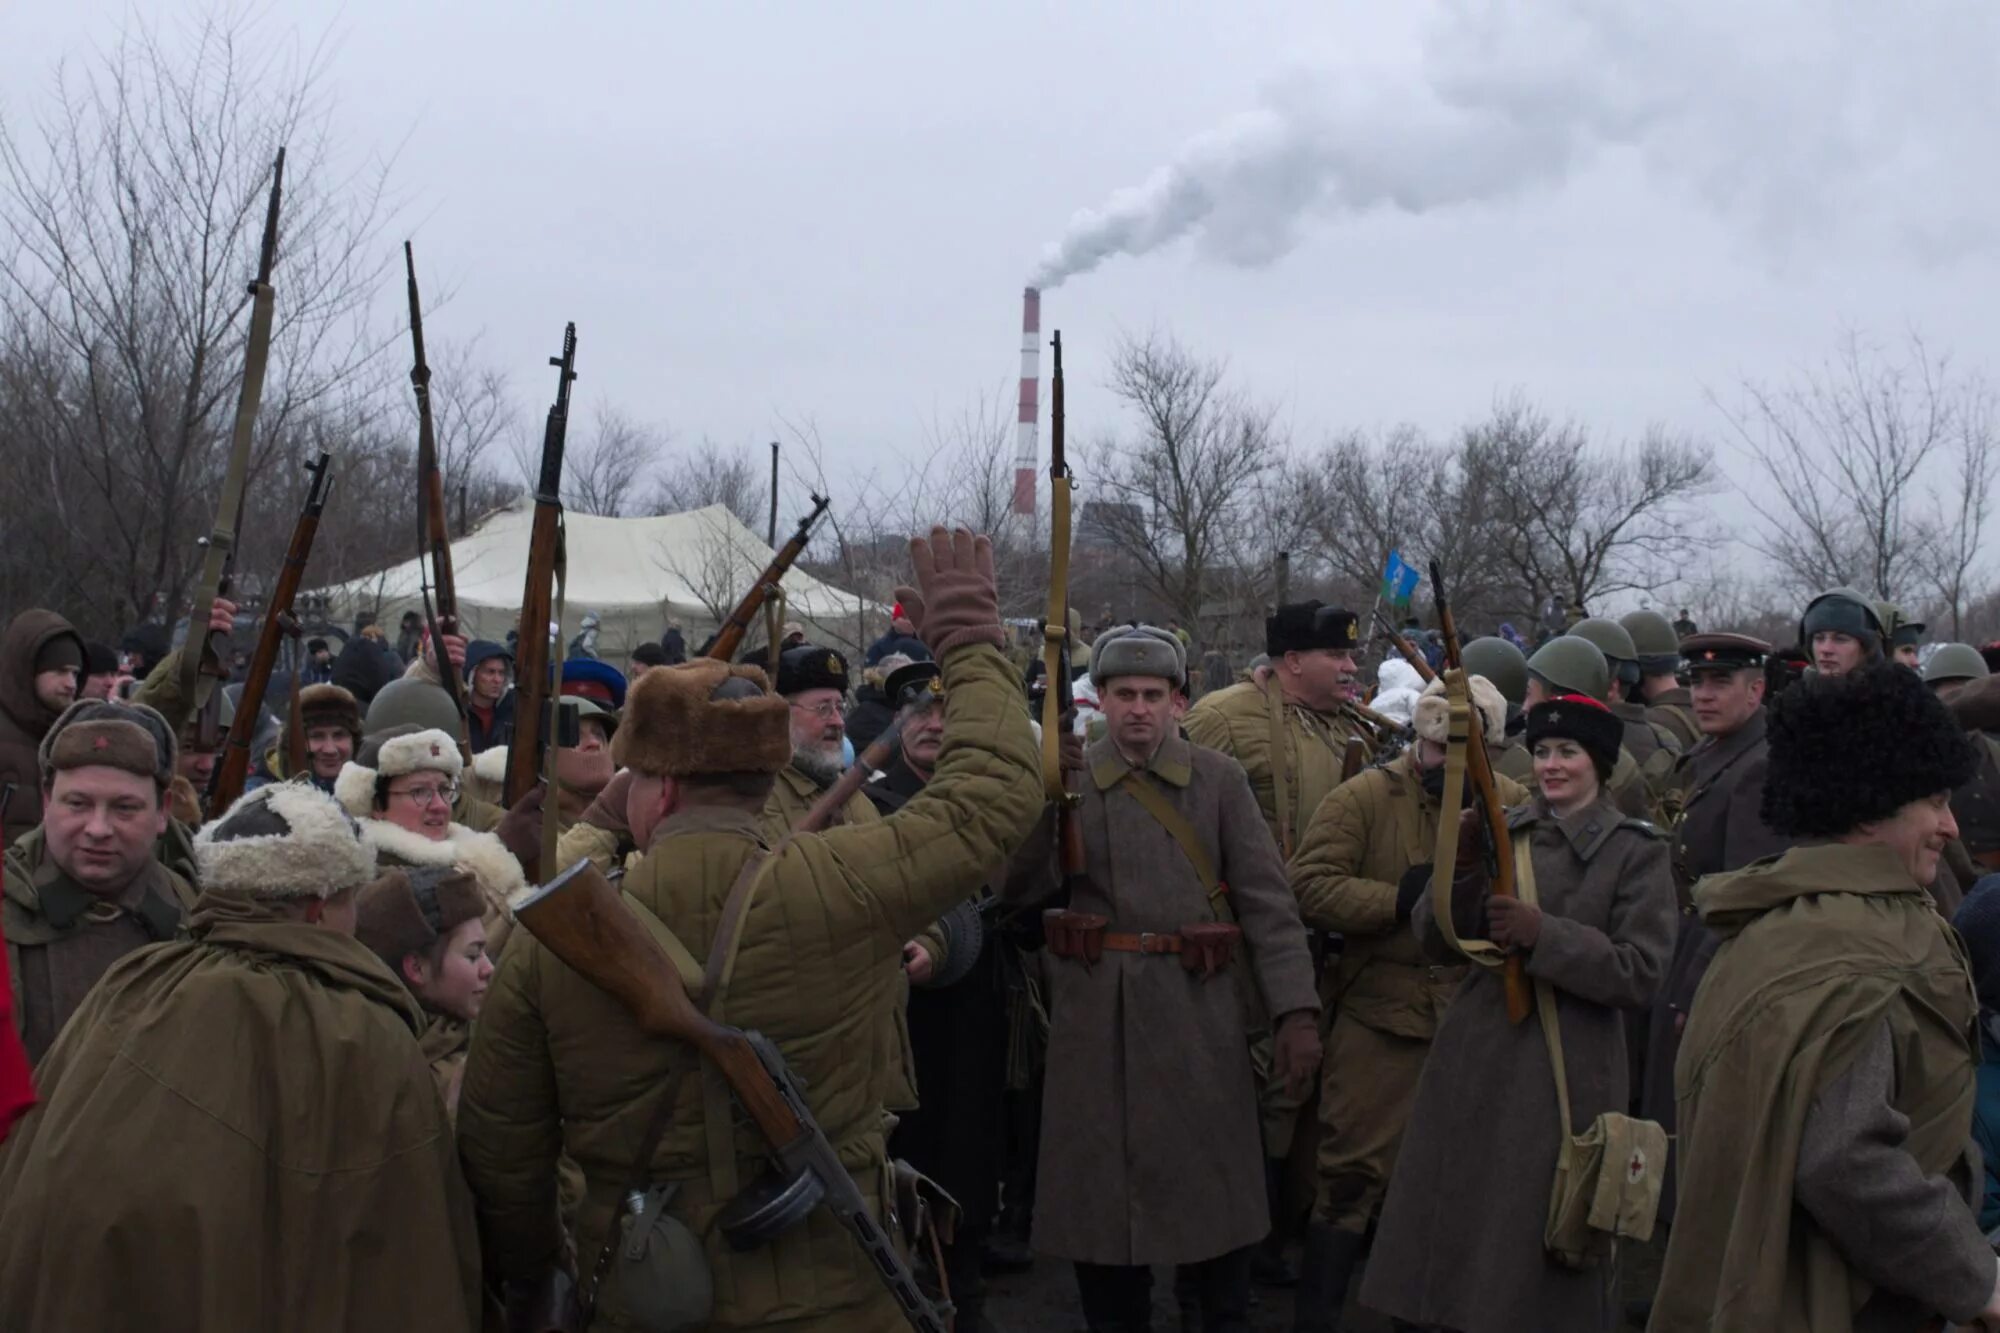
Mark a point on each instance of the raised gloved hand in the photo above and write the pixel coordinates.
(1410, 888)
(1296, 1052)
(955, 601)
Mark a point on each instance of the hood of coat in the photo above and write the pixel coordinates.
(1731, 901)
(21, 643)
(233, 920)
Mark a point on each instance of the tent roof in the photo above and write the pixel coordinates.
(684, 564)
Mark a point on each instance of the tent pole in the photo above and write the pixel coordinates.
(771, 534)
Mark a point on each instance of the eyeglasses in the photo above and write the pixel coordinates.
(422, 796)
(825, 710)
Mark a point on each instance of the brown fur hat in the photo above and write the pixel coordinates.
(703, 716)
(410, 908)
(330, 706)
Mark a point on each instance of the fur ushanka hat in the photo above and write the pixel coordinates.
(703, 716)
(287, 840)
(1850, 750)
(411, 907)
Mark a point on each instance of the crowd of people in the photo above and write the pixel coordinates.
(1437, 1002)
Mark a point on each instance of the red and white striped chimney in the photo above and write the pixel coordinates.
(1027, 456)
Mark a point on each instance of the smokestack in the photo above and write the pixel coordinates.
(1026, 454)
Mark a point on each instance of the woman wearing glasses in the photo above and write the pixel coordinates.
(404, 805)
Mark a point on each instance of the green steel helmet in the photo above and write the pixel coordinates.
(1611, 639)
(408, 701)
(1653, 637)
(1573, 665)
(1500, 662)
(1844, 611)
(1954, 661)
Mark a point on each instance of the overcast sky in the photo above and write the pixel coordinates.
(1381, 212)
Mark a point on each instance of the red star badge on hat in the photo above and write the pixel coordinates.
(435, 752)
(101, 743)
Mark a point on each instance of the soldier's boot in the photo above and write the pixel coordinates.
(1187, 1298)
(1271, 1267)
(1225, 1293)
(1325, 1272)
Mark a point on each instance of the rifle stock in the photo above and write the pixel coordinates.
(581, 919)
(232, 770)
(729, 635)
(1479, 771)
(532, 654)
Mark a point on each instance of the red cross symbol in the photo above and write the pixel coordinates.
(1636, 1167)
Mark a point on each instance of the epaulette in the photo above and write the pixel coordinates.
(1645, 826)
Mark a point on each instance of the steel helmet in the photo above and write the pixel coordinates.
(1500, 662)
(1573, 665)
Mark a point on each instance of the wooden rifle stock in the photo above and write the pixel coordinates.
(1479, 772)
(439, 588)
(532, 652)
(232, 770)
(729, 636)
(1354, 758)
(1417, 661)
(580, 918)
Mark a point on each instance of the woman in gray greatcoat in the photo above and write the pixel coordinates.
(1459, 1245)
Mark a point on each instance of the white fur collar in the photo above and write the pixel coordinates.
(488, 859)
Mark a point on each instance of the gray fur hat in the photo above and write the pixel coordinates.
(1137, 650)
(286, 840)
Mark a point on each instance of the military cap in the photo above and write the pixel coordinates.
(1302, 627)
(109, 733)
(1724, 652)
(588, 708)
(330, 706)
(1907, 634)
(811, 667)
(588, 678)
(408, 909)
(409, 702)
(1955, 661)
(1843, 611)
(1138, 650)
(913, 682)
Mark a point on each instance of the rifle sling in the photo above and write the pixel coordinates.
(1444, 862)
(1281, 798)
(1155, 803)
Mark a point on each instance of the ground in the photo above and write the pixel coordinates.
(1043, 1299)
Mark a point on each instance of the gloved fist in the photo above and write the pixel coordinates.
(1469, 876)
(1296, 1051)
(607, 809)
(520, 830)
(1069, 751)
(955, 601)
(1415, 880)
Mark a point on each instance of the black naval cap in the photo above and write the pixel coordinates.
(914, 682)
(1724, 652)
(811, 667)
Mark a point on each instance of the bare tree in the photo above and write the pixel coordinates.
(131, 213)
(1854, 456)
(602, 473)
(711, 475)
(472, 409)
(1187, 483)
(1579, 522)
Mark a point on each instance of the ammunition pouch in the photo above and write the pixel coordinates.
(1074, 935)
(770, 1207)
(1208, 947)
(658, 1279)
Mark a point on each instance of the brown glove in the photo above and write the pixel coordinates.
(1069, 747)
(1296, 1052)
(607, 811)
(520, 830)
(955, 601)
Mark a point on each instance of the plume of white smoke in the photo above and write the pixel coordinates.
(1788, 114)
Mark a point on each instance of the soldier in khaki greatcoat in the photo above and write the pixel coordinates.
(817, 943)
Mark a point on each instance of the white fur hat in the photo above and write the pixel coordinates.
(285, 840)
(1434, 711)
(422, 751)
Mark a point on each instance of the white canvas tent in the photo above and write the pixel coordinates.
(638, 574)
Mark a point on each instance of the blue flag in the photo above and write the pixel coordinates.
(1399, 580)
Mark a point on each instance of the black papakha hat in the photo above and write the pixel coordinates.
(1302, 627)
(811, 667)
(1849, 750)
(1579, 718)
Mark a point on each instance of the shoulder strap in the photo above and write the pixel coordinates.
(1545, 994)
(1444, 859)
(1281, 799)
(1155, 803)
(728, 933)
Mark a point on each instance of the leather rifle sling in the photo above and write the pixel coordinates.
(1281, 793)
(1545, 994)
(1444, 860)
(1156, 804)
(717, 1120)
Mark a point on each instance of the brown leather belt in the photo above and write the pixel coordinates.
(1146, 941)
